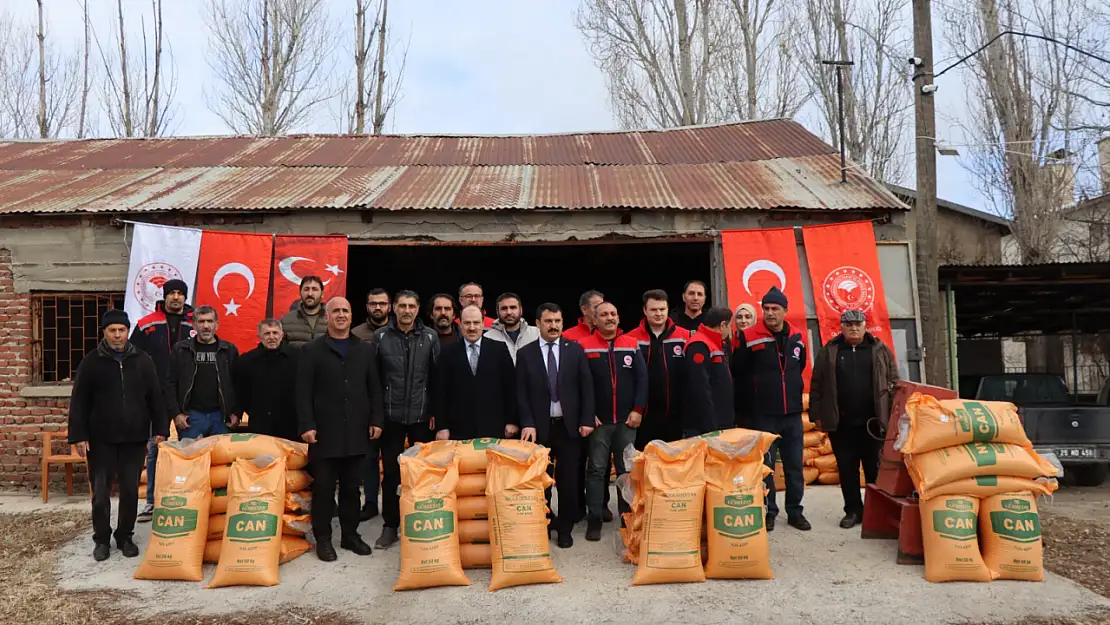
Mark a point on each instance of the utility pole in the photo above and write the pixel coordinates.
(840, 65)
(925, 208)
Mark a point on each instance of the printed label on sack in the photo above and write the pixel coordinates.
(242, 438)
(984, 454)
(956, 522)
(987, 480)
(220, 492)
(975, 418)
(738, 518)
(480, 444)
(252, 526)
(169, 522)
(1016, 522)
(430, 523)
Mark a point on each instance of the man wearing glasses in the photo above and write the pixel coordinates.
(470, 294)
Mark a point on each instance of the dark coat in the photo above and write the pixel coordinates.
(823, 401)
(296, 328)
(619, 376)
(475, 406)
(576, 390)
(707, 393)
(183, 370)
(152, 335)
(768, 370)
(406, 372)
(265, 384)
(339, 398)
(116, 401)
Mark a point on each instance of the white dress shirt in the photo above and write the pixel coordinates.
(545, 346)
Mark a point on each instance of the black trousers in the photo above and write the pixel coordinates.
(123, 463)
(584, 457)
(393, 445)
(566, 452)
(371, 478)
(326, 472)
(852, 445)
(657, 426)
(789, 449)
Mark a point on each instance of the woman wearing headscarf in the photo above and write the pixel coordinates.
(742, 318)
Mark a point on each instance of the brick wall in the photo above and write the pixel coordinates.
(22, 420)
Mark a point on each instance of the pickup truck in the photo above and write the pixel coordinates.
(1079, 434)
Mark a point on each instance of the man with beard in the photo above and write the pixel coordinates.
(156, 334)
(693, 299)
(407, 354)
(510, 327)
(442, 316)
(339, 411)
(199, 389)
(115, 406)
(378, 311)
(302, 324)
(264, 379)
(475, 385)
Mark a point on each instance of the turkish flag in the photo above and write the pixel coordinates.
(844, 268)
(296, 257)
(233, 277)
(755, 261)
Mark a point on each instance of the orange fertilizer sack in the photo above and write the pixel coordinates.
(828, 478)
(219, 475)
(949, 529)
(230, 447)
(674, 498)
(296, 480)
(521, 553)
(471, 485)
(814, 438)
(291, 548)
(217, 523)
(300, 501)
(941, 466)
(291, 525)
(142, 491)
(807, 425)
(736, 537)
(1010, 530)
(809, 454)
(938, 423)
(219, 501)
(180, 524)
(472, 452)
(736, 435)
(471, 508)
(985, 486)
(429, 535)
(476, 556)
(474, 532)
(251, 546)
(825, 464)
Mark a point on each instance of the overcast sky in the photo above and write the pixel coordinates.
(474, 67)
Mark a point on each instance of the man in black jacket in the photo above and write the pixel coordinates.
(156, 334)
(199, 389)
(662, 343)
(768, 360)
(407, 353)
(115, 406)
(708, 390)
(475, 385)
(265, 381)
(555, 396)
(339, 411)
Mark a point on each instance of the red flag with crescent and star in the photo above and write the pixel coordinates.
(233, 277)
(844, 268)
(298, 256)
(755, 261)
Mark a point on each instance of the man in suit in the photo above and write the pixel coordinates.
(556, 403)
(474, 385)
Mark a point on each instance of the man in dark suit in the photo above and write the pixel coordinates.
(556, 402)
(474, 385)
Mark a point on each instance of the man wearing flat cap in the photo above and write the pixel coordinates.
(115, 407)
(850, 398)
(767, 364)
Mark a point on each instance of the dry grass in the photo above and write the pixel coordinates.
(29, 593)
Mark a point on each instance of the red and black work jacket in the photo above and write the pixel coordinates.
(619, 376)
(663, 357)
(769, 366)
(578, 333)
(707, 396)
(153, 335)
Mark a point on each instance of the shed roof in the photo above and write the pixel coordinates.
(764, 165)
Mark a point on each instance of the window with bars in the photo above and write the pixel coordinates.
(65, 326)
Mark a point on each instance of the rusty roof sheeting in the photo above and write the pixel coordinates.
(766, 165)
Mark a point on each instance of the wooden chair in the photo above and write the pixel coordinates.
(68, 460)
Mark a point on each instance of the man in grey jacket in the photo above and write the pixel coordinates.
(510, 327)
(407, 354)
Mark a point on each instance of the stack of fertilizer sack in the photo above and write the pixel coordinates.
(697, 508)
(978, 478)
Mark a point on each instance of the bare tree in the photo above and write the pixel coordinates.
(271, 62)
(38, 84)
(86, 76)
(376, 93)
(877, 88)
(140, 83)
(761, 82)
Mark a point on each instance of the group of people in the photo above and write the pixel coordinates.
(359, 394)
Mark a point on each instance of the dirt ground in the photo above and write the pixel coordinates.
(827, 575)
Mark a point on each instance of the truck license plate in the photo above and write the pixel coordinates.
(1068, 453)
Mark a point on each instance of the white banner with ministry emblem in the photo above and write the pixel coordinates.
(158, 254)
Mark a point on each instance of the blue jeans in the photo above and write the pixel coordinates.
(609, 438)
(789, 448)
(201, 424)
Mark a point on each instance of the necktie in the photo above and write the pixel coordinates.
(474, 358)
(552, 373)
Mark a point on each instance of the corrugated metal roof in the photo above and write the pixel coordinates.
(774, 164)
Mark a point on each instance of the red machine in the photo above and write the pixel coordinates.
(890, 504)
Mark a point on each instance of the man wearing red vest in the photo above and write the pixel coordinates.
(708, 392)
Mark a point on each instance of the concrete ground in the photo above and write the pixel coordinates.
(828, 575)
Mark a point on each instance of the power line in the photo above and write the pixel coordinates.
(1019, 33)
